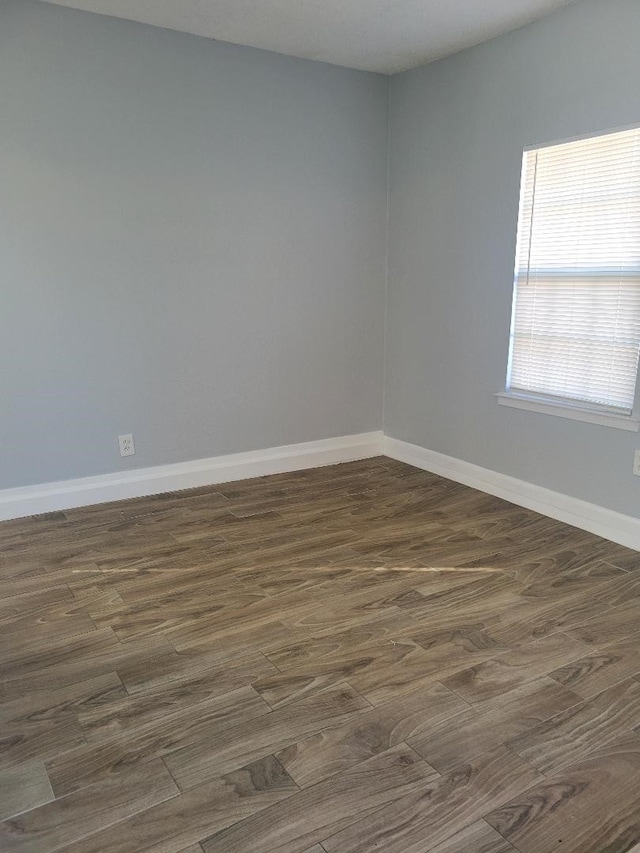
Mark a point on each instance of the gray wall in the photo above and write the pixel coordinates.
(458, 128)
(192, 245)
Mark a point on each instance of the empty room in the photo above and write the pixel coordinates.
(319, 426)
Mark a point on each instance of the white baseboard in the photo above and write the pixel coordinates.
(66, 494)
(623, 529)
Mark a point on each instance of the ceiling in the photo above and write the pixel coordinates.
(373, 35)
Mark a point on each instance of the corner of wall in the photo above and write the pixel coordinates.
(386, 260)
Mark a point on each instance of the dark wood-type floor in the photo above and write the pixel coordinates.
(357, 658)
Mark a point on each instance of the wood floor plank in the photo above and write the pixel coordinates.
(192, 575)
(421, 820)
(464, 607)
(72, 660)
(134, 564)
(47, 722)
(38, 656)
(57, 623)
(613, 625)
(601, 669)
(64, 550)
(488, 587)
(264, 611)
(592, 806)
(19, 742)
(62, 704)
(305, 652)
(167, 827)
(145, 744)
(34, 601)
(67, 820)
(328, 807)
(146, 616)
(149, 677)
(23, 787)
(397, 663)
(169, 686)
(284, 619)
(247, 743)
(379, 671)
(42, 548)
(565, 611)
(229, 642)
(624, 558)
(514, 668)
(46, 521)
(477, 838)
(323, 566)
(37, 581)
(320, 645)
(108, 513)
(336, 749)
(557, 574)
(487, 725)
(74, 577)
(573, 734)
(431, 582)
(44, 721)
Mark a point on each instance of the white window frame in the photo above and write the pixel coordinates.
(561, 407)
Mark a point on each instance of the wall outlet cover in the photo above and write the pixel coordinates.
(127, 447)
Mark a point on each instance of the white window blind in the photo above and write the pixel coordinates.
(575, 330)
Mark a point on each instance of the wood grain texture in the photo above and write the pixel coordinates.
(379, 671)
(328, 807)
(600, 670)
(571, 735)
(489, 724)
(340, 747)
(339, 660)
(116, 755)
(171, 825)
(514, 668)
(477, 838)
(439, 809)
(185, 683)
(23, 787)
(247, 742)
(609, 626)
(594, 805)
(567, 608)
(68, 819)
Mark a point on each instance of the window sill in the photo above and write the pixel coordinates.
(576, 413)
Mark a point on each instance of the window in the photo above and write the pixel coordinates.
(575, 328)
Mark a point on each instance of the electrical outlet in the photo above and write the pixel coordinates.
(127, 447)
(636, 463)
